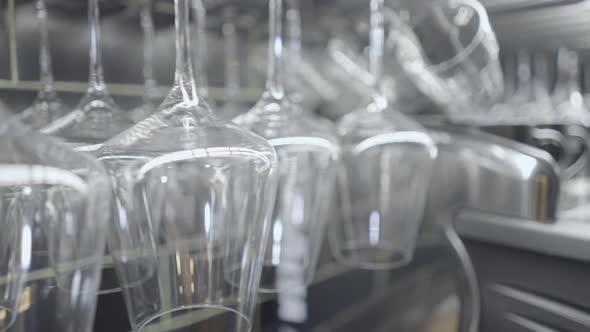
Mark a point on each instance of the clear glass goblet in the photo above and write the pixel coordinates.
(308, 153)
(201, 51)
(96, 119)
(193, 201)
(388, 160)
(452, 55)
(52, 207)
(567, 95)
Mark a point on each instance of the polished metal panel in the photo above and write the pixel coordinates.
(483, 172)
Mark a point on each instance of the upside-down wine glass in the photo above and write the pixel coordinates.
(201, 52)
(501, 112)
(452, 55)
(567, 96)
(53, 223)
(540, 92)
(530, 103)
(388, 160)
(97, 117)
(151, 93)
(308, 153)
(194, 195)
(47, 107)
(520, 103)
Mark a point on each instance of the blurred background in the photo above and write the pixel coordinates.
(533, 25)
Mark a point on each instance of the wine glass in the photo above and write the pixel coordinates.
(47, 107)
(151, 92)
(193, 201)
(452, 55)
(52, 214)
(308, 153)
(388, 160)
(502, 112)
(97, 117)
(231, 108)
(530, 103)
(541, 93)
(567, 96)
(521, 102)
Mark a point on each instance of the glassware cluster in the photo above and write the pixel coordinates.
(201, 207)
(52, 204)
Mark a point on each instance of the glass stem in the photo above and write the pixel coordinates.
(232, 63)
(377, 39)
(274, 79)
(201, 50)
(96, 70)
(47, 90)
(147, 25)
(184, 78)
(294, 32)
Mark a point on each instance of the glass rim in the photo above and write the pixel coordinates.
(345, 256)
(223, 309)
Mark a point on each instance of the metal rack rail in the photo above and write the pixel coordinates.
(14, 81)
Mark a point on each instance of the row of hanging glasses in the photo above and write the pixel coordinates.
(200, 213)
(529, 98)
(561, 111)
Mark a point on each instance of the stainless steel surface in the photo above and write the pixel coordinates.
(509, 192)
(568, 144)
(478, 171)
(487, 173)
